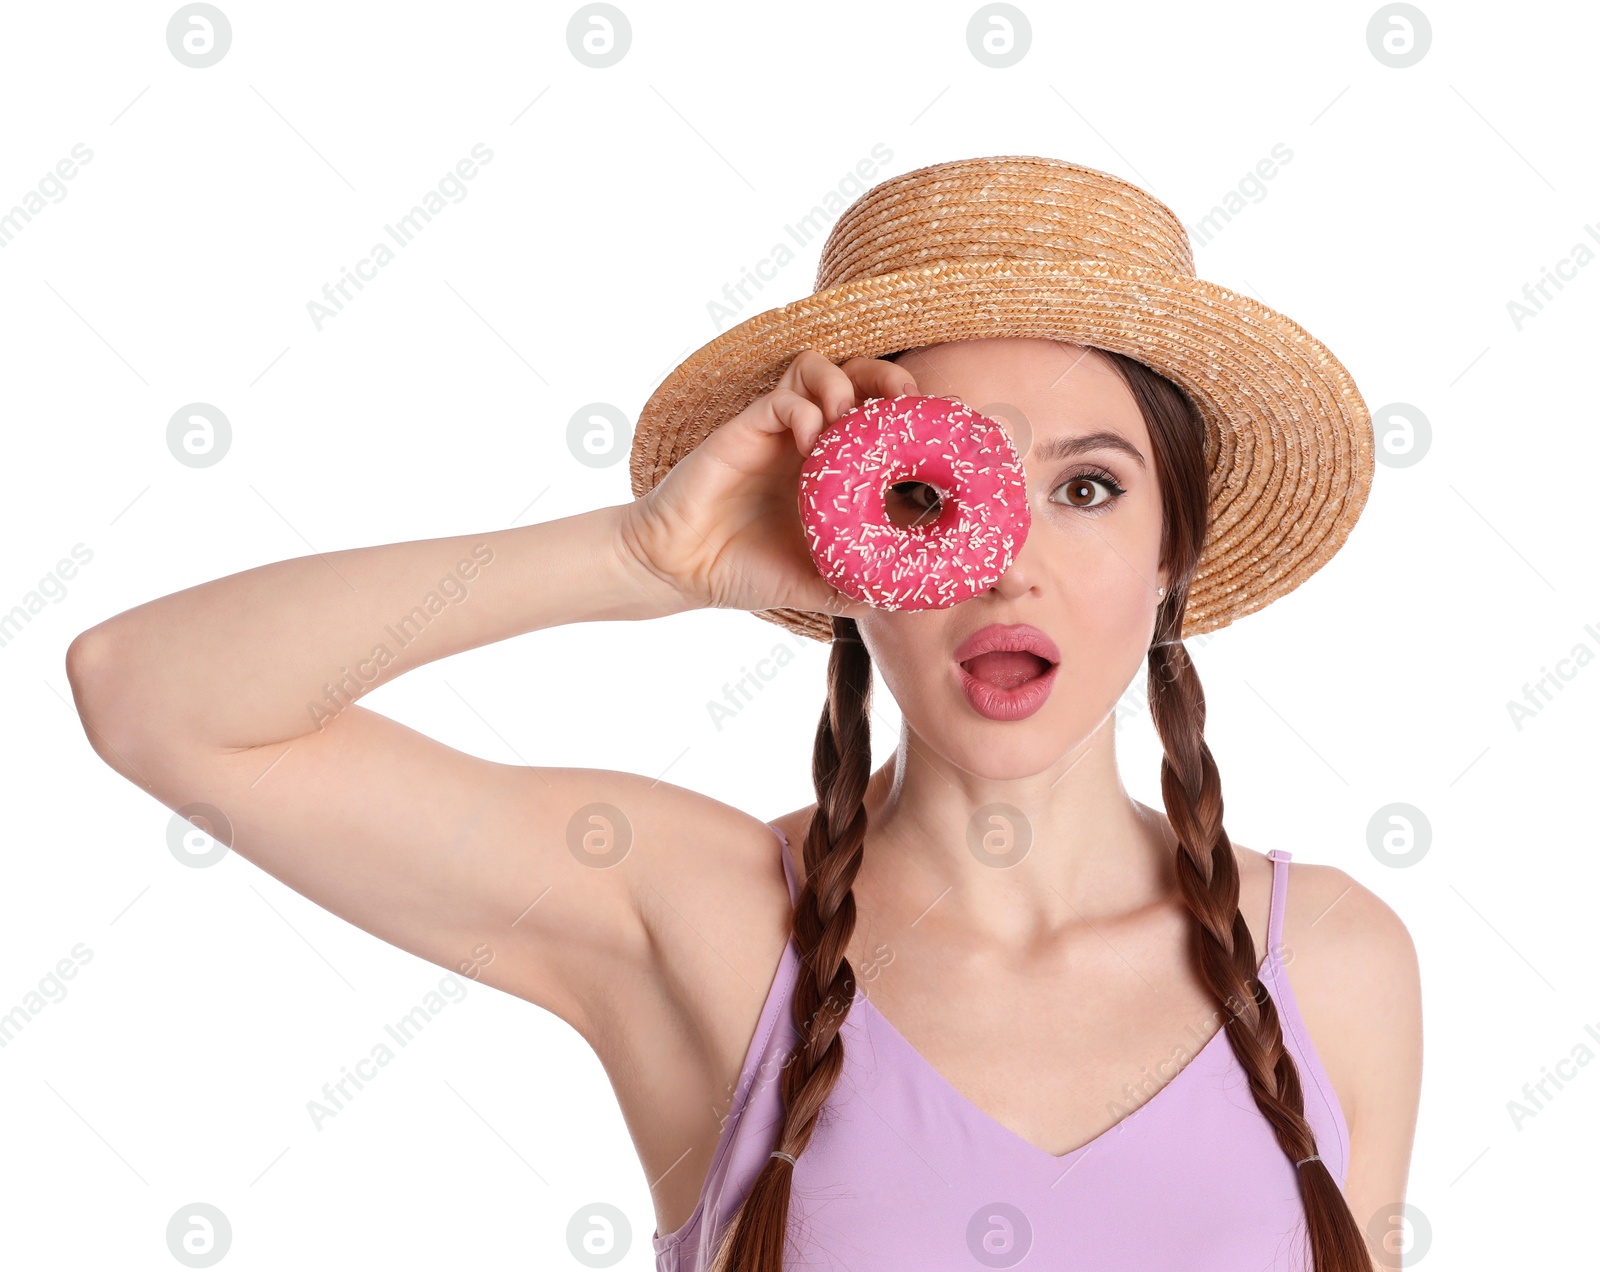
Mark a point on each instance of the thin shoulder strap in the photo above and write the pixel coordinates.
(788, 870)
(1280, 891)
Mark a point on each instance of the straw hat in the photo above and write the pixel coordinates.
(1017, 245)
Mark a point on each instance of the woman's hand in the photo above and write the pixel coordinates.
(723, 527)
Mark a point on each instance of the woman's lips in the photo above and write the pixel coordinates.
(1019, 689)
(1007, 670)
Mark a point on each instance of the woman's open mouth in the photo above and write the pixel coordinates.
(1007, 672)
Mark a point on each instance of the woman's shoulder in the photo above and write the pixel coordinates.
(1353, 968)
(1348, 933)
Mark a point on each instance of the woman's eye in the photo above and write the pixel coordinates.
(1089, 491)
(913, 505)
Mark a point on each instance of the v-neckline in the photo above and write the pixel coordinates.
(989, 1121)
(975, 1113)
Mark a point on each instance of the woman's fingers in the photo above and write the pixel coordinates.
(831, 391)
(874, 377)
(837, 389)
(822, 382)
(800, 414)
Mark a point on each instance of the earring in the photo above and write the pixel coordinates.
(1162, 590)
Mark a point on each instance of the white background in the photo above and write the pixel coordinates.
(218, 202)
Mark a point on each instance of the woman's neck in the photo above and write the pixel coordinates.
(1011, 859)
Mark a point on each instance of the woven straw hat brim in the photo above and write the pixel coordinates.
(1288, 438)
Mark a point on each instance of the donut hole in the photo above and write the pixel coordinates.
(913, 505)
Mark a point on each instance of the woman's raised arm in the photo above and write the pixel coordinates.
(239, 694)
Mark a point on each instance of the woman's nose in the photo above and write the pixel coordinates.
(1019, 579)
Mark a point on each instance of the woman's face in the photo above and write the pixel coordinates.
(1086, 576)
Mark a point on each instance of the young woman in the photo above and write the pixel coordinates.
(979, 1005)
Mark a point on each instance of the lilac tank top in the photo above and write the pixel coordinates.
(904, 1173)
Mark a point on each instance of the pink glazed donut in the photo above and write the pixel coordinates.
(967, 457)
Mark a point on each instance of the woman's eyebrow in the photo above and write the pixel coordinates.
(1068, 446)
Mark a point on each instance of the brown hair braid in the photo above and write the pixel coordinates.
(1208, 877)
(824, 920)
